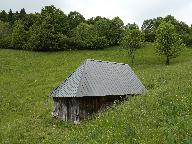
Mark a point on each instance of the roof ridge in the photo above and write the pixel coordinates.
(106, 61)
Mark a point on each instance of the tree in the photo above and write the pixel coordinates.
(3, 16)
(10, 17)
(168, 42)
(187, 39)
(16, 16)
(88, 38)
(5, 35)
(75, 19)
(49, 30)
(56, 20)
(112, 30)
(149, 30)
(29, 20)
(181, 27)
(132, 40)
(149, 27)
(42, 39)
(85, 35)
(102, 27)
(130, 26)
(22, 14)
(116, 30)
(93, 20)
(19, 36)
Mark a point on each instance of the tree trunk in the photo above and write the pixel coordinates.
(132, 55)
(167, 61)
(132, 58)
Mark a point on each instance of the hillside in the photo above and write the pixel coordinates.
(163, 115)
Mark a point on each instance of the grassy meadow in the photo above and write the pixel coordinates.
(163, 115)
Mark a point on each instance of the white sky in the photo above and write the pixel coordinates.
(128, 10)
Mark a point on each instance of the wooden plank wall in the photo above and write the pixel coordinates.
(76, 108)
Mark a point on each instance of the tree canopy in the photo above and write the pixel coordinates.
(53, 29)
(150, 26)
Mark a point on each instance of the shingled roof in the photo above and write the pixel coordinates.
(100, 78)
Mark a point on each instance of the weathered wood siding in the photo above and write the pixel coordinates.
(77, 108)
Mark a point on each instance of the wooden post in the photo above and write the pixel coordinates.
(64, 109)
(55, 112)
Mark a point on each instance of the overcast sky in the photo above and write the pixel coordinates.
(128, 10)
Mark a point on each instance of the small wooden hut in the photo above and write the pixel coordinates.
(93, 86)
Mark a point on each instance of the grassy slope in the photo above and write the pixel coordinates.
(164, 115)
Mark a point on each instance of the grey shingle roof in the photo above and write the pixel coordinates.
(100, 78)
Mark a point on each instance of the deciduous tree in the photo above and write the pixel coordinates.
(19, 35)
(49, 31)
(75, 18)
(56, 20)
(149, 27)
(168, 42)
(116, 30)
(88, 38)
(130, 26)
(5, 35)
(132, 40)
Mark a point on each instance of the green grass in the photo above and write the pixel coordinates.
(163, 115)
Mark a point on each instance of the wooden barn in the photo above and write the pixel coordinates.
(93, 86)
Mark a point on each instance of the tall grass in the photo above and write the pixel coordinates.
(163, 115)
